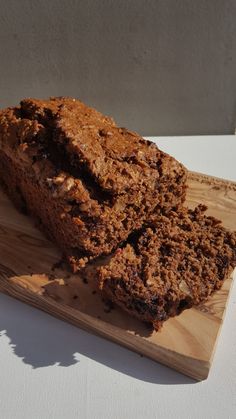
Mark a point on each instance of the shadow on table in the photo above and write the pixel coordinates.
(42, 341)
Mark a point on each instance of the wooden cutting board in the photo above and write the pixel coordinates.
(29, 271)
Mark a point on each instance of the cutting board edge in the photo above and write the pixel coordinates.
(196, 176)
(198, 370)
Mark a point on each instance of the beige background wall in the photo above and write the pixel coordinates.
(158, 66)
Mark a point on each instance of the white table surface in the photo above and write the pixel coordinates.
(50, 369)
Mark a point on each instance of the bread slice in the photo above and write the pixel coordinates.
(173, 264)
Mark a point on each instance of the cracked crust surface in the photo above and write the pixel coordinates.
(88, 182)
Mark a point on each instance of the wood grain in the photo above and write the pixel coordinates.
(29, 271)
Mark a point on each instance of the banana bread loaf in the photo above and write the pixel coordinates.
(87, 182)
(173, 264)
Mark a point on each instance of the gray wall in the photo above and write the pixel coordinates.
(158, 66)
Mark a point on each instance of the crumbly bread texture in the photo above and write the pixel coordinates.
(173, 264)
(88, 182)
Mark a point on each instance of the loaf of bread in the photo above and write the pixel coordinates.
(173, 264)
(88, 183)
